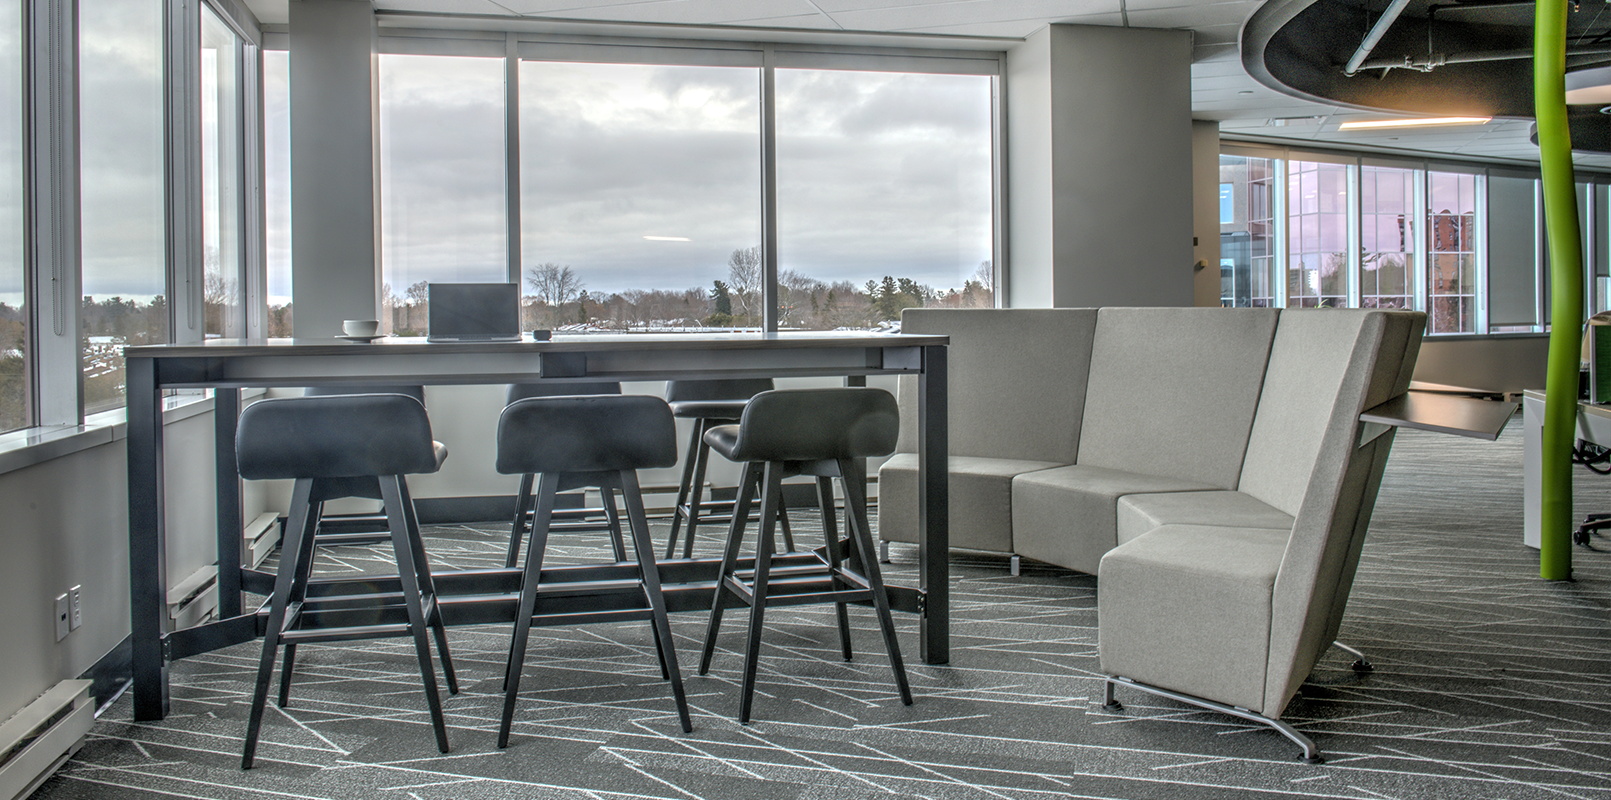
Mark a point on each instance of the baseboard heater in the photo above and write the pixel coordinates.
(37, 740)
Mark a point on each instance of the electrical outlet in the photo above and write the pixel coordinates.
(76, 601)
(63, 617)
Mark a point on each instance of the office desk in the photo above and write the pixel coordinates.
(483, 595)
(1593, 426)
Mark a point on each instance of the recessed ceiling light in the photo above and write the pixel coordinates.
(668, 238)
(1411, 123)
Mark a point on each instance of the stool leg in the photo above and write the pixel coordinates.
(783, 522)
(522, 505)
(856, 506)
(649, 572)
(392, 495)
(763, 567)
(613, 514)
(547, 487)
(422, 571)
(697, 490)
(302, 561)
(684, 487)
(735, 537)
(830, 534)
(295, 533)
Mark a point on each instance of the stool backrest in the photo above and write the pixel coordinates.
(521, 391)
(340, 436)
(818, 425)
(719, 389)
(587, 433)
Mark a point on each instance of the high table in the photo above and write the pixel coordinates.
(1593, 426)
(229, 365)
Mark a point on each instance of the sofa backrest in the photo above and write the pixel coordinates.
(1305, 457)
(1017, 380)
(1172, 391)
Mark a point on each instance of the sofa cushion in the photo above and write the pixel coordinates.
(981, 498)
(1068, 515)
(1172, 391)
(1017, 380)
(1140, 513)
(1187, 608)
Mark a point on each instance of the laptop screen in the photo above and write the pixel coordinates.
(474, 311)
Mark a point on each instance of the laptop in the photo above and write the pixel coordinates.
(473, 312)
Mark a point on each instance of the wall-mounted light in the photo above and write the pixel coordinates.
(1411, 123)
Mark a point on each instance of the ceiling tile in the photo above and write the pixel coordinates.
(969, 12)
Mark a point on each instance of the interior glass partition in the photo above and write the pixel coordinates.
(1452, 251)
(884, 195)
(1387, 237)
(16, 401)
(640, 195)
(121, 190)
(442, 177)
(221, 176)
(1317, 237)
(277, 191)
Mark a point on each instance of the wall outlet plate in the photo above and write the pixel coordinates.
(75, 601)
(63, 616)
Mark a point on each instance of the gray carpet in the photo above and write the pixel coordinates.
(1489, 683)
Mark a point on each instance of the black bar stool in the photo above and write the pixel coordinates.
(572, 442)
(708, 403)
(821, 432)
(379, 437)
(523, 510)
(351, 529)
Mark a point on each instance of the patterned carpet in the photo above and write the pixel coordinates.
(1489, 683)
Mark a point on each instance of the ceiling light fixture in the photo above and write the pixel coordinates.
(1590, 86)
(1411, 123)
(668, 238)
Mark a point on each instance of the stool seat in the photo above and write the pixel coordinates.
(709, 409)
(708, 403)
(335, 436)
(811, 425)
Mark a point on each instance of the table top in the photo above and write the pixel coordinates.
(585, 342)
(1443, 413)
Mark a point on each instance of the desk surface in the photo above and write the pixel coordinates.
(1443, 413)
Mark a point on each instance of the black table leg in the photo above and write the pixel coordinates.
(933, 509)
(226, 415)
(148, 579)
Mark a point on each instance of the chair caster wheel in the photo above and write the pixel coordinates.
(1362, 666)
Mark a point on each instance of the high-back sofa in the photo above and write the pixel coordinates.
(1208, 465)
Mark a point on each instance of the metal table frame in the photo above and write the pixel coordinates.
(478, 596)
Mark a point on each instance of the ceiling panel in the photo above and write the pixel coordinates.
(968, 12)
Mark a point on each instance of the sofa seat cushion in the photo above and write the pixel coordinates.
(981, 500)
(1140, 513)
(1067, 516)
(1187, 608)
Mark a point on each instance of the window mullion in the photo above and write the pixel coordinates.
(1280, 222)
(53, 224)
(1422, 216)
(182, 73)
(1355, 235)
(511, 140)
(769, 189)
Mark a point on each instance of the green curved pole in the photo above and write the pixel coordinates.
(1566, 281)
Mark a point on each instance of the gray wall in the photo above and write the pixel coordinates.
(335, 255)
(1100, 167)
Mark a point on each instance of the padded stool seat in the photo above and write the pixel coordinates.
(358, 529)
(708, 403)
(591, 440)
(332, 441)
(577, 519)
(819, 432)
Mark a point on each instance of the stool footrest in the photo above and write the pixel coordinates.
(316, 635)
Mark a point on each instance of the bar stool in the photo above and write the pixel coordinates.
(708, 403)
(572, 442)
(379, 437)
(821, 432)
(325, 489)
(523, 510)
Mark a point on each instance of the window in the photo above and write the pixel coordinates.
(1452, 252)
(121, 180)
(277, 190)
(640, 190)
(15, 384)
(442, 176)
(884, 195)
(1247, 231)
(221, 177)
(1387, 237)
(1317, 222)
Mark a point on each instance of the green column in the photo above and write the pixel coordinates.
(1566, 281)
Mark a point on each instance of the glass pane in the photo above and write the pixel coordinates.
(442, 179)
(1387, 247)
(884, 195)
(220, 177)
(1451, 283)
(277, 189)
(640, 195)
(15, 392)
(1318, 235)
(121, 183)
(1245, 243)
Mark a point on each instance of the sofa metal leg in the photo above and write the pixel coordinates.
(883, 551)
(1110, 702)
(1016, 566)
(1360, 665)
(1311, 754)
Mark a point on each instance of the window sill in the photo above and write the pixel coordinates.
(34, 446)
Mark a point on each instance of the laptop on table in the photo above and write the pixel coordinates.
(473, 312)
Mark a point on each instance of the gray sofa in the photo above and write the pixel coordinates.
(1208, 465)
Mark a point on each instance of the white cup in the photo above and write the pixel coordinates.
(360, 327)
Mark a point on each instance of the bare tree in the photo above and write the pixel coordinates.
(744, 278)
(985, 275)
(555, 285)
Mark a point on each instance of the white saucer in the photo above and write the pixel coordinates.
(362, 338)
